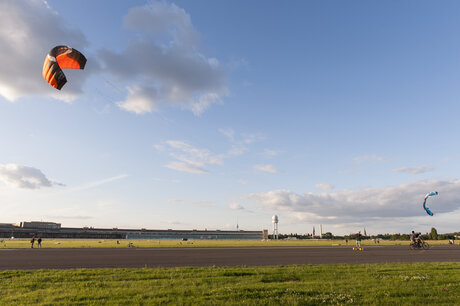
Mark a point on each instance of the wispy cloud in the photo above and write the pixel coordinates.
(414, 170)
(189, 158)
(99, 183)
(184, 167)
(194, 155)
(266, 168)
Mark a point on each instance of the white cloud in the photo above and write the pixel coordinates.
(348, 206)
(28, 30)
(189, 158)
(184, 167)
(236, 206)
(194, 155)
(324, 186)
(140, 100)
(368, 158)
(266, 168)
(24, 177)
(414, 170)
(162, 58)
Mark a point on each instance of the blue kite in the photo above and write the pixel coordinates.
(428, 211)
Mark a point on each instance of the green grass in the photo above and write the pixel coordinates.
(386, 284)
(74, 243)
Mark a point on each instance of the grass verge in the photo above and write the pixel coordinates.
(75, 243)
(387, 284)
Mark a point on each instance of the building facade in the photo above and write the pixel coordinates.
(54, 230)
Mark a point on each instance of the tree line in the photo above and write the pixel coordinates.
(432, 235)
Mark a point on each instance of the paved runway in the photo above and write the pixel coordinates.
(201, 257)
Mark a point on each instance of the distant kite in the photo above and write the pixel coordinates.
(428, 211)
(61, 57)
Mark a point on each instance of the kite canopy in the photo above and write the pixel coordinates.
(428, 211)
(61, 57)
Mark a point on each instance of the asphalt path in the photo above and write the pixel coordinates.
(25, 259)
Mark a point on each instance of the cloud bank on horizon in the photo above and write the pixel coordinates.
(361, 205)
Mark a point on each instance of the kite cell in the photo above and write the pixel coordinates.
(428, 211)
(61, 57)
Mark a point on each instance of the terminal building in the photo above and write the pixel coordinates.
(54, 230)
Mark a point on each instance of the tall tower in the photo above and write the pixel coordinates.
(275, 226)
(321, 231)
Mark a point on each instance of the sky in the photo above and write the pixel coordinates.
(208, 114)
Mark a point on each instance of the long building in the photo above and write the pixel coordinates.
(54, 230)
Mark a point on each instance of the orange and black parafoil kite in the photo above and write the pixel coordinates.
(61, 57)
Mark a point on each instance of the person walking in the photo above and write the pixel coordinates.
(32, 241)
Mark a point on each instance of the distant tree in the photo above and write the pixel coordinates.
(433, 234)
(404, 237)
(327, 235)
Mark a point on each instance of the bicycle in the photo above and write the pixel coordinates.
(419, 245)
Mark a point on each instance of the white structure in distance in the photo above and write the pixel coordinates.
(275, 226)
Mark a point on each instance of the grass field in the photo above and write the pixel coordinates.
(72, 243)
(389, 284)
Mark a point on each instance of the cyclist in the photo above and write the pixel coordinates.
(419, 239)
(412, 238)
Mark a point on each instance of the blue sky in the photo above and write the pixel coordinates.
(196, 114)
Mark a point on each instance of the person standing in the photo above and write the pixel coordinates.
(358, 240)
(39, 242)
(32, 241)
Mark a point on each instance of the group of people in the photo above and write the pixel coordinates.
(39, 242)
(415, 239)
